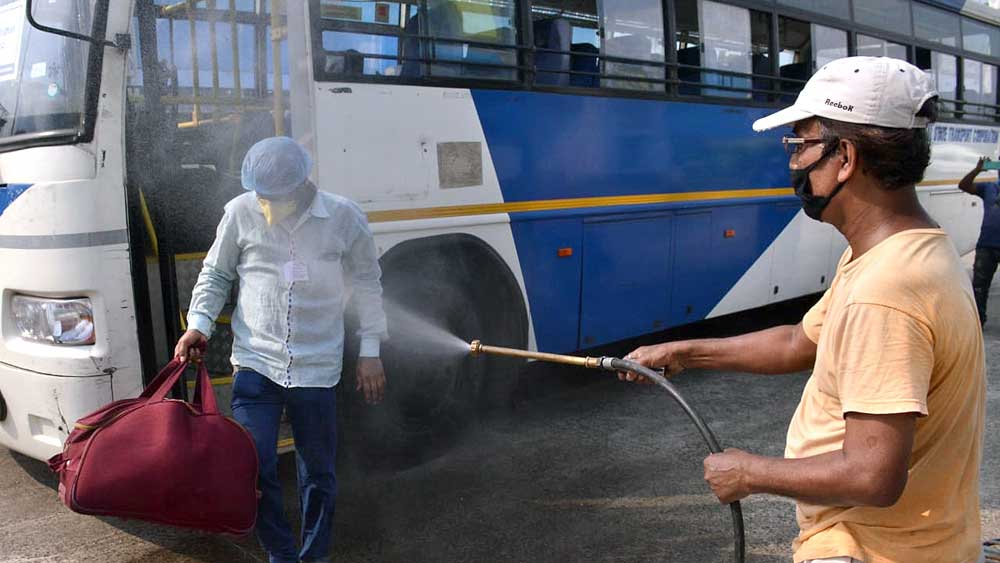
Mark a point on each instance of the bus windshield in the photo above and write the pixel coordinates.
(43, 77)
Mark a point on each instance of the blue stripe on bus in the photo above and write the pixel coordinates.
(655, 266)
(10, 192)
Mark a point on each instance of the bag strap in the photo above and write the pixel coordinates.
(160, 386)
(167, 378)
(204, 394)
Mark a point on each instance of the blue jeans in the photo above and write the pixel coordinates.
(312, 411)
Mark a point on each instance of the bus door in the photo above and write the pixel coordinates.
(201, 92)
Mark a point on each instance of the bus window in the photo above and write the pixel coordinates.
(350, 53)
(570, 28)
(174, 40)
(944, 75)
(478, 28)
(935, 25)
(734, 40)
(829, 44)
(363, 12)
(836, 8)
(760, 54)
(727, 47)
(794, 55)
(868, 46)
(688, 45)
(884, 14)
(979, 37)
(979, 89)
(43, 77)
(479, 37)
(633, 29)
(803, 48)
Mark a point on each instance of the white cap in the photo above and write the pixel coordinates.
(869, 90)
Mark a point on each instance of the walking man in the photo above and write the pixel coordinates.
(988, 247)
(883, 451)
(296, 252)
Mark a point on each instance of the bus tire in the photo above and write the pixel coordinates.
(440, 293)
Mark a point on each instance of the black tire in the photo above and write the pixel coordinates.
(438, 297)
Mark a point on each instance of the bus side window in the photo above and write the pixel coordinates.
(760, 54)
(571, 28)
(943, 69)
(979, 89)
(585, 63)
(868, 46)
(553, 34)
(794, 56)
(829, 44)
(412, 54)
(688, 45)
(726, 36)
(475, 36)
(722, 45)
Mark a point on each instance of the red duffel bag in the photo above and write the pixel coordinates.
(162, 460)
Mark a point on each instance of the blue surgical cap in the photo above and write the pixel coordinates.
(275, 166)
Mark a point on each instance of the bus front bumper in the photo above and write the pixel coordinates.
(41, 408)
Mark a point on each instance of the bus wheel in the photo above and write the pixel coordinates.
(439, 297)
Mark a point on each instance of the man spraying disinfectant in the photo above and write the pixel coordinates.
(882, 455)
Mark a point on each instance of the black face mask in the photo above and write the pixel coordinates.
(813, 205)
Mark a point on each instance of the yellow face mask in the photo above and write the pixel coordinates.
(277, 211)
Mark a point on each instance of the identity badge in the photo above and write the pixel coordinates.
(295, 271)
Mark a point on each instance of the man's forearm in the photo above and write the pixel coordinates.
(827, 479)
(771, 351)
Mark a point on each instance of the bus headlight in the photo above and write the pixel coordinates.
(68, 322)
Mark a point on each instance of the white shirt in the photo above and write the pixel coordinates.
(289, 319)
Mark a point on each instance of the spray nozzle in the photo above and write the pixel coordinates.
(477, 348)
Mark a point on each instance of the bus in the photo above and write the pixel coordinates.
(547, 174)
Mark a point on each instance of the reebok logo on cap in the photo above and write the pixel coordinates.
(839, 105)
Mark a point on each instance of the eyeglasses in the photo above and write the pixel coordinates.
(795, 145)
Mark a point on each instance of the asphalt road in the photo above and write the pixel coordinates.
(583, 468)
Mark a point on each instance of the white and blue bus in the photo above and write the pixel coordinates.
(553, 174)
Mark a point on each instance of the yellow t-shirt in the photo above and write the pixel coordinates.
(898, 332)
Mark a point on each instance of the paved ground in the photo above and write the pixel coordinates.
(591, 469)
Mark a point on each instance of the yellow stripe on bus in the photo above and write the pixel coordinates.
(588, 202)
(572, 203)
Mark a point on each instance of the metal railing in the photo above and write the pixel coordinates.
(218, 107)
(667, 69)
(777, 89)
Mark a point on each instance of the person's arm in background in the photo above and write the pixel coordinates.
(365, 277)
(967, 184)
(211, 292)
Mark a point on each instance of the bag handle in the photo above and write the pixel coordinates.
(204, 394)
(158, 388)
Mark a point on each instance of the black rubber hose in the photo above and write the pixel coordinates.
(617, 364)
